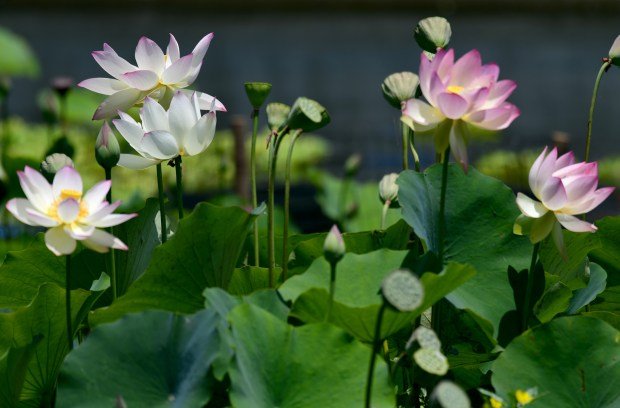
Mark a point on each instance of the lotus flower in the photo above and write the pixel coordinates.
(70, 215)
(459, 93)
(563, 189)
(164, 135)
(156, 75)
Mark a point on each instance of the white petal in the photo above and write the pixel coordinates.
(201, 135)
(96, 195)
(154, 116)
(18, 207)
(131, 132)
(172, 51)
(59, 242)
(529, 207)
(37, 189)
(114, 65)
(422, 113)
(40, 218)
(178, 71)
(120, 101)
(131, 161)
(67, 181)
(181, 116)
(201, 49)
(79, 231)
(112, 220)
(143, 80)
(206, 101)
(104, 86)
(574, 224)
(100, 241)
(102, 211)
(149, 56)
(160, 145)
(68, 210)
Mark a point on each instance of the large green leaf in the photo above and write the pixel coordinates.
(44, 318)
(223, 302)
(608, 254)
(572, 361)
(480, 213)
(202, 253)
(315, 365)
(17, 56)
(13, 370)
(357, 299)
(151, 359)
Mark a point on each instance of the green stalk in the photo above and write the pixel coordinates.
(416, 158)
(271, 244)
(113, 280)
(384, 211)
(604, 68)
(178, 166)
(405, 132)
(332, 290)
(376, 346)
(63, 114)
(530, 285)
(342, 204)
(287, 201)
(253, 182)
(68, 300)
(162, 208)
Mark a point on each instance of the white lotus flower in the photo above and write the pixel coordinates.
(156, 75)
(70, 215)
(163, 135)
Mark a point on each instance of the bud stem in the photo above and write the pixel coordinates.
(529, 288)
(113, 280)
(287, 202)
(376, 346)
(68, 300)
(162, 208)
(271, 244)
(332, 290)
(253, 182)
(178, 166)
(405, 131)
(384, 211)
(599, 76)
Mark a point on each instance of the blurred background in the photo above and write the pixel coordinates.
(334, 51)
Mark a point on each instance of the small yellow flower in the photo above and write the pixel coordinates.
(523, 397)
(495, 403)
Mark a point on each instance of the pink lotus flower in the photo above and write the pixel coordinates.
(70, 215)
(459, 93)
(156, 75)
(563, 189)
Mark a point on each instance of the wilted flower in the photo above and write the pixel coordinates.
(334, 248)
(459, 93)
(163, 135)
(157, 75)
(388, 189)
(564, 189)
(70, 215)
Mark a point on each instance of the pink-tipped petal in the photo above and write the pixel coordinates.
(173, 51)
(181, 116)
(452, 105)
(142, 80)
(574, 224)
(535, 182)
(499, 92)
(553, 194)
(96, 195)
(201, 135)
(443, 63)
(201, 49)
(37, 189)
(422, 113)
(149, 56)
(112, 220)
(79, 231)
(131, 132)
(425, 75)
(565, 160)
(577, 169)
(160, 145)
(206, 101)
(101, 241)
(112, 63)
(529, 207)
(18, 207)
(120, 101)
(104, 86)
(178, 71)
(466, 69)
(67, 183)
(579, 187)
(102, 211)
(59, 242)
(40, 219)
(496, 118)
(593, 201)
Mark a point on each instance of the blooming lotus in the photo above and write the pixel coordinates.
(70, 215)
(563, 189)
(156, 75)
(459, 93)
(163, 135)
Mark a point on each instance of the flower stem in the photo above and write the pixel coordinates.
(384, 211)
(332, 290)
(416, 158)
(162, 208)
(271, 244)
(253, 182)
(599, 76)
(178, 166)
(376, 346)
(528, 290)
(113, 280)
(442, 204)
(68, 300)
(287, 202)
(405, 131)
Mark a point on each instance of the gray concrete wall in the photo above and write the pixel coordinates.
(340, 59)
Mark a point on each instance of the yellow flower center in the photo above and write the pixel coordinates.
(181, 151)
(64, 194)
(523, 397)
(455, 89)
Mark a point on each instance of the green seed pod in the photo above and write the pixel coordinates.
(334, 248)
(277, 114)
(107, 149)
(432, 361)
(400, 87)
(307, 115)
(53, 163)
(257, 93)
(449, 395)
(403, 290)
(432, 33)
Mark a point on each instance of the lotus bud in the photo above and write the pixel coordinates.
(277, 114)
(388, 189)
(307, 115)
(334, 248)
(614, 52)
(352, 165)
(400, 87)
(62, 85)
(257, 93)
(107, 149)
(53, 163)
(432, 33)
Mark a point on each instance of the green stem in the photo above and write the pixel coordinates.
(113, 280)
(253, 183)
(342, 205)
(178, 166)
(405, 132)
(376, 346)
(271, 244)
(332, 290)
(530, 285)
(416, 158)
(384, 211)
(604, 68)
(63, 114)
(68, 300)
(442, 204)
(162, 208)
(287, 202)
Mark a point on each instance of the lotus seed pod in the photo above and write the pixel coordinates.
(53, 163)
(352, 165)
(334, 248)
(388, 189)
(403, 290)
(449, 395)
(277, 114)
(400, 87)
(257, 93)
(107, 149)
(426, 338)
(307, 115)
(614, 52)
(431, 361)
(432, 33)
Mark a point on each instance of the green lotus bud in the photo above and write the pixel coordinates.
(614, 52)
(257, 93)
(107, 150)
(432, 33)
(388, 190)
(400, 87)
(352, 165)
(307, 115)
(53, 163)
(334, 248)
(277, 114)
